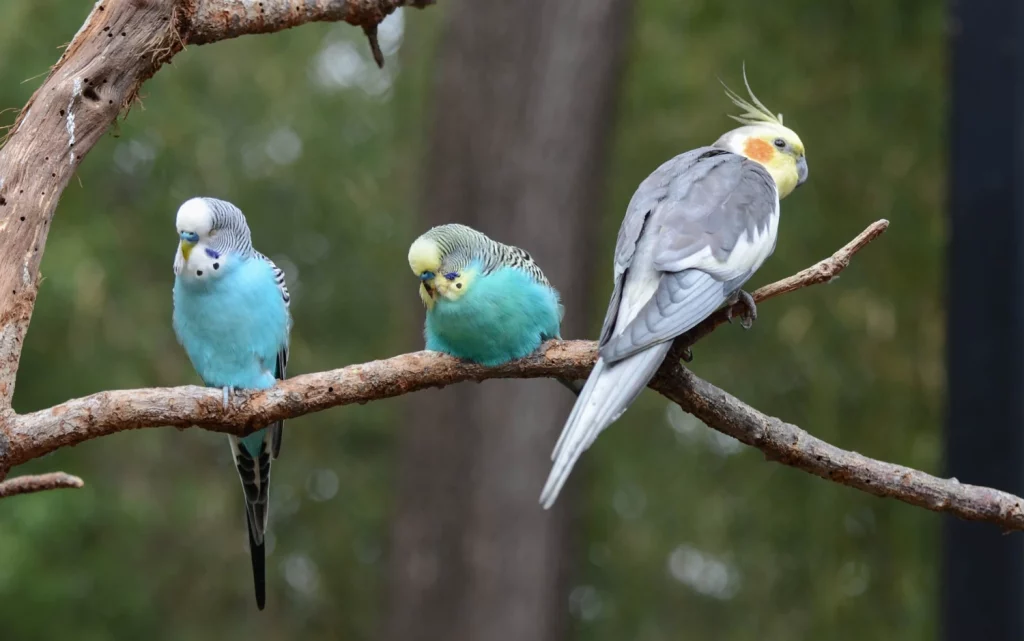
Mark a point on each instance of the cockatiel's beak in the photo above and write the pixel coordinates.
(801, 170)
(188, 241)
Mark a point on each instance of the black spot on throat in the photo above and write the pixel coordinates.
(199, 272)
(216, 265)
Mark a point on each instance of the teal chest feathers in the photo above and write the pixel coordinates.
(504, 316)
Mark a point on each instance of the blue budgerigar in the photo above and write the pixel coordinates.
(486, 302)
(231, 316)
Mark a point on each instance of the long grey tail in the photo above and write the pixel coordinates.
(608, 392)
(254, 472)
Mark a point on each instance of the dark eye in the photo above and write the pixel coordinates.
(780, 143)
(451, 275)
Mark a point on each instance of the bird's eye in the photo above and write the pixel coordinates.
(780, 143)
(425, 276)
(451, 275)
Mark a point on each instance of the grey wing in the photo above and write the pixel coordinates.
(281, 365)
(651, 192)
(714, 229)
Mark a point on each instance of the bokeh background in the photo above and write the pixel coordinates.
(538, 132)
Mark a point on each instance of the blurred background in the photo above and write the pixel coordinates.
(416, 518)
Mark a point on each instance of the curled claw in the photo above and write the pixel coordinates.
(749, 314)
(687, 355)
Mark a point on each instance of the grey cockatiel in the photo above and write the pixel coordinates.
(694, 232)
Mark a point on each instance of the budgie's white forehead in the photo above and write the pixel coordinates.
(195, 215)
(424, 255)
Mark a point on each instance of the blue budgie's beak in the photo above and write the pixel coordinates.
(188, 241)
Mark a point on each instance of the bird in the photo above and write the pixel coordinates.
(232, 317)
(694, 232)
(487, 302)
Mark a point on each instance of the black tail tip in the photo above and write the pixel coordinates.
(259, 572)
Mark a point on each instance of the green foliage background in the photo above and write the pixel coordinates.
(685, 534)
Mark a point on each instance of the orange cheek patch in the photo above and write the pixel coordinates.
(759, 150)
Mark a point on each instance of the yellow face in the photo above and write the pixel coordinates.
(781, 152)
(426, 262)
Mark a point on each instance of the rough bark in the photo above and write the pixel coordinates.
(523, 103)
(121, 44)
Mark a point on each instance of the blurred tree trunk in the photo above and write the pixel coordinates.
(523, 114)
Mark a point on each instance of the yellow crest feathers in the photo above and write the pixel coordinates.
(754, 114)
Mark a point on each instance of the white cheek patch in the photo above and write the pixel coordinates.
(204, 263)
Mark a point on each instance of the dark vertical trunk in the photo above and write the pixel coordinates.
(523, 111)
(983, 591)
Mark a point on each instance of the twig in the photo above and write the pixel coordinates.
(38, 483)
(821, 272)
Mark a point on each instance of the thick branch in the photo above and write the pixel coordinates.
(39, 483)
(109, 412)
(215, 20)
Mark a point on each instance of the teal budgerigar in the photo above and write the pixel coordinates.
(231, 316)
(487, 303)
(694, 232)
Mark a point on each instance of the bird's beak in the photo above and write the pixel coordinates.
(188, 241)
(801, 170)
(427, 279)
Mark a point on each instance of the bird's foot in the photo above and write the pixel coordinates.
(228, 393)
(749, 315)
(687, 355)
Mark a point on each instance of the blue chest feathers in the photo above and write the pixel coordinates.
(233, 326)
(503, 316)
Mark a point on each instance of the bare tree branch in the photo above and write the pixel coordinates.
(38, 483)
(121, 44)
(78, 420)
